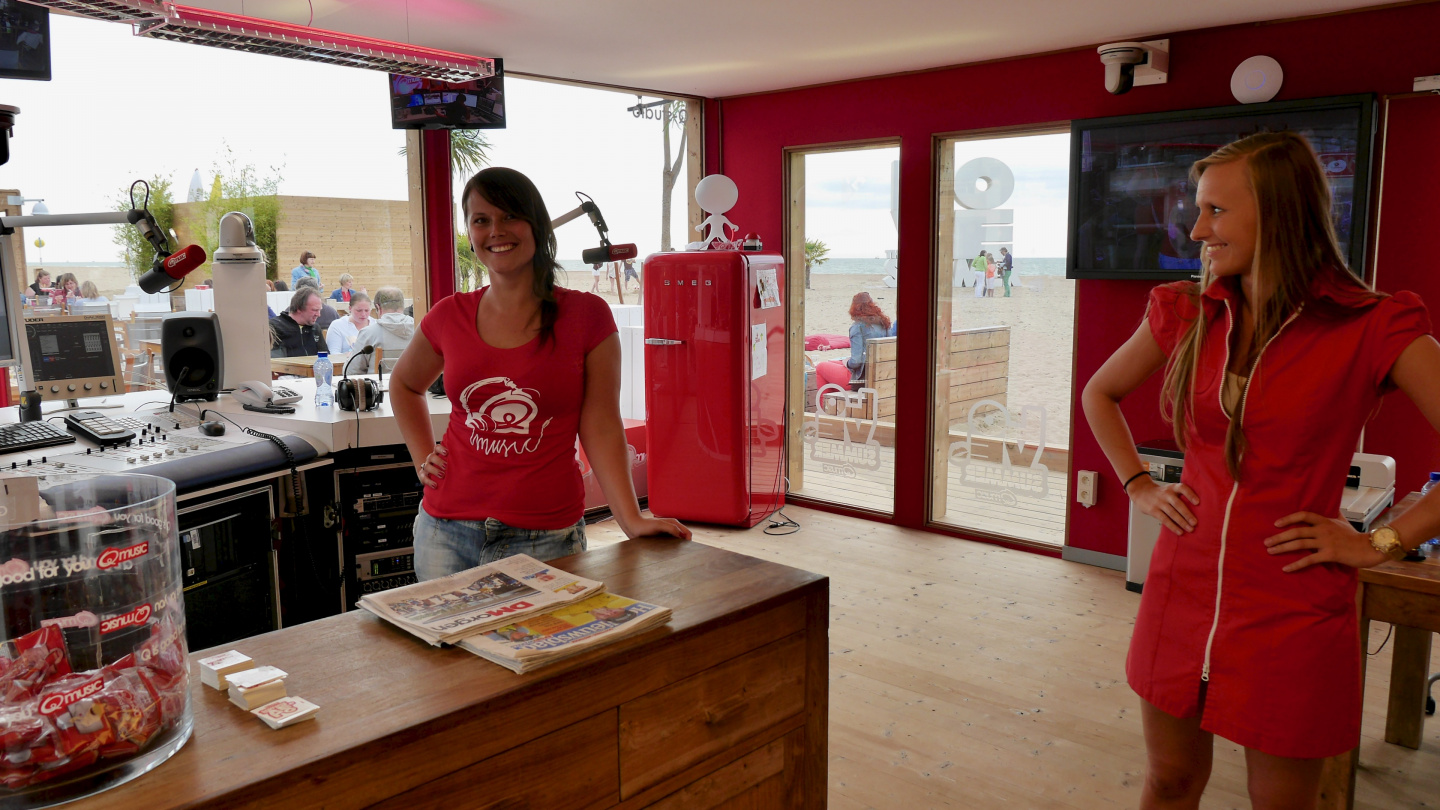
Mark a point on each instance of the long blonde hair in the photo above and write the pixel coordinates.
(1295, 246)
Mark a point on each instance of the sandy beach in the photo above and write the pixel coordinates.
(1040, 313)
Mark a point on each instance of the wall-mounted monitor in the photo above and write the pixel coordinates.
(417, 103)
(24, 41)
(1132, 204)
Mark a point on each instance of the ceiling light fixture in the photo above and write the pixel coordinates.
(199, 26)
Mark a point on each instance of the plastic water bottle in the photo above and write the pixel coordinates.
(324, 392)
(1431, 547)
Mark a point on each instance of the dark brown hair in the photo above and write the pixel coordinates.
(513, 193)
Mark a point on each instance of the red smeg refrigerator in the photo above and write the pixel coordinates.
(715, 385)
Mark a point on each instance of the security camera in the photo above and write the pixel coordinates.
(1125, 62)
(7, 123)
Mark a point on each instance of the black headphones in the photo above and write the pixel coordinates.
(359, 394)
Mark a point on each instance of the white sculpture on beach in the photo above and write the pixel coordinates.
(982, 185)
(717, 194)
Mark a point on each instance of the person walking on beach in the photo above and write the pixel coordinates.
(595, 277)
(630, 273)
(978, 266)
(1273, 364)
(1007, 263)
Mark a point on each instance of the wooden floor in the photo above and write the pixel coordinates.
(1041, 520)
(970, 676)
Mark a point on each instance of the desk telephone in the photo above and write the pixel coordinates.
(257, 396)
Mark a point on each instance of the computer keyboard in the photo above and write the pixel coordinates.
(30, 435)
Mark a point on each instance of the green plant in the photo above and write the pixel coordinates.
(469, 272)
(816, 253)
(139, 253)
(469, 152)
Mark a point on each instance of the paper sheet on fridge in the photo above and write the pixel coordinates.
(758, 356)
(769, 289)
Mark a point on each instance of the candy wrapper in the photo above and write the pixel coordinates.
(40, 657)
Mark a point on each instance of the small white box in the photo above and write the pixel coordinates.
(1423, 83)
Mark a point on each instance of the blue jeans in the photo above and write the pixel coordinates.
(444, 547)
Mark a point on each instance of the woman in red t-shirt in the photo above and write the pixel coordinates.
(529, 367)
(1273, 364)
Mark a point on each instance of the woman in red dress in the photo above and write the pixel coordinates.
(1273, 364)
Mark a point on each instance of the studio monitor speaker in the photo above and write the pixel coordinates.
(193, 355)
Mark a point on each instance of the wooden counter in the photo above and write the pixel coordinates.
(726, 703)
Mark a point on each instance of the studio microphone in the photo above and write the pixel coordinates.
(148, 228)
(367, 351)
(609, 253)
(172, 268)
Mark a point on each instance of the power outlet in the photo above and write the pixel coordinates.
(1085, 482)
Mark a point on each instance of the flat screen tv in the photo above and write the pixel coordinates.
(1132, 204)
(417, 103)
(24, 41)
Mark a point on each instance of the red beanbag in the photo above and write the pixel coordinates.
(820, 343)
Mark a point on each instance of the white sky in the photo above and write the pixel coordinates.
(847, 195)
(121, 107)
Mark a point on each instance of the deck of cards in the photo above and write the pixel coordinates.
(286, 711)
(252, 688)
(214, 669)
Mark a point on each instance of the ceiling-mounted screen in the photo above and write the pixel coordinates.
(417, 103)
(1132, 204)
(24, 41)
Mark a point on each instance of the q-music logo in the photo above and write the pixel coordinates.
(138, 616)
(58, 702)
(111, 557)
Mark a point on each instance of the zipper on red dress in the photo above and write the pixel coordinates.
(1235, 487)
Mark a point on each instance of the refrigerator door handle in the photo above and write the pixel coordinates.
(662, 342)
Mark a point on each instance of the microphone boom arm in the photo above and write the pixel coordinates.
(588, 207)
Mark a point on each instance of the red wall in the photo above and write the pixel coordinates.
(1377, 51)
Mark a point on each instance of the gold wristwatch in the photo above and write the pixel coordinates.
(1387, 541)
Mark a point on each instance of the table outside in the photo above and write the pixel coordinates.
(1406, 595)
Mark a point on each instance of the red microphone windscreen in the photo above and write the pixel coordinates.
(182, 261)
(618, 252)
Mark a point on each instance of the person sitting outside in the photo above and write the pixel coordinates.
(391, 332)
(345, 292)
(41, 285)
(306, 268)
(90, 294)
(293, 332)
(342, 333)
(328, 314)
(867, 323)
(67, 288)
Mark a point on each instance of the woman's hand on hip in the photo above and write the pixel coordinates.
(1334, 540)
(432, 469)
(1166, 503)
(643, 527)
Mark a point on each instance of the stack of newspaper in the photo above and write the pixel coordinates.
(518, 612)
